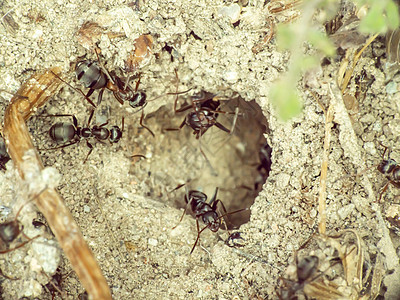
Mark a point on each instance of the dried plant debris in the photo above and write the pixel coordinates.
(141, 56)
(89, 34)
(343, 28)
(333, 267)
(9, 22)
(392, 46)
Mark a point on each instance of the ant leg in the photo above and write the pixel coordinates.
(225, 212)
(207, 161)
(383, 191)
(7, 277)
(229, 213)
(182, 124)
(59, 147)
(137, 83)
(176, 90)
(214, 197)
(144, 126)
(127, 82)
(103, 68)
(100, 97)
(180, 220)
(90, 92)
(177, 188)
(182, 108)
(198, 235)
(90, 151)
(222, 127)
(187, 204)
(90, 118)
(19, 246)
(86, 97)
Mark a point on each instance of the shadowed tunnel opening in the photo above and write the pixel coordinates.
(237, 164)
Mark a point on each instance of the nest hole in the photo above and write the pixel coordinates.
(237, 164)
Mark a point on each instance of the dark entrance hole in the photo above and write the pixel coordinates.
(233, 162)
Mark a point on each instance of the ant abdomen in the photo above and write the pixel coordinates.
(90, 75)
(9, 231)
(62, 132)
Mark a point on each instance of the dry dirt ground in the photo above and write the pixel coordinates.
(125, 206)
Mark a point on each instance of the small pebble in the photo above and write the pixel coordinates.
(232, 12)
(345, 211)
(152, 242)
(86, 208)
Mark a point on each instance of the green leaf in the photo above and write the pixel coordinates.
(285, 36)
(392, 13)
(308, 62)
(374, 21)
(321, 42)
(286, 100)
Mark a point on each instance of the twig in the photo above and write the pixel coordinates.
(349, 73)
(32, 95)
(324, 171)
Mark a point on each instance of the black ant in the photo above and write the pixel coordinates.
(265, 165)
(54, 285)
(94, 76)
(391, 169)
(204, 114)
(235, 239)
(206, 211)
(305, 270)
(306, 267)
(70, 133)
(4, 157)
(9, 231)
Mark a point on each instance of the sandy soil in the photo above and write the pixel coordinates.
(125, 206)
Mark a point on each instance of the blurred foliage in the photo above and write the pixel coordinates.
(286, 100)
(381, 16)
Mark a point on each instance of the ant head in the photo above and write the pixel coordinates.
(138, 100)
(115, 134)
(387, 166)
(212, 221)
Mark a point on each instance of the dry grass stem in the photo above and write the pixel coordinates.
(349, 72)
(33, 94)
(324, 171)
